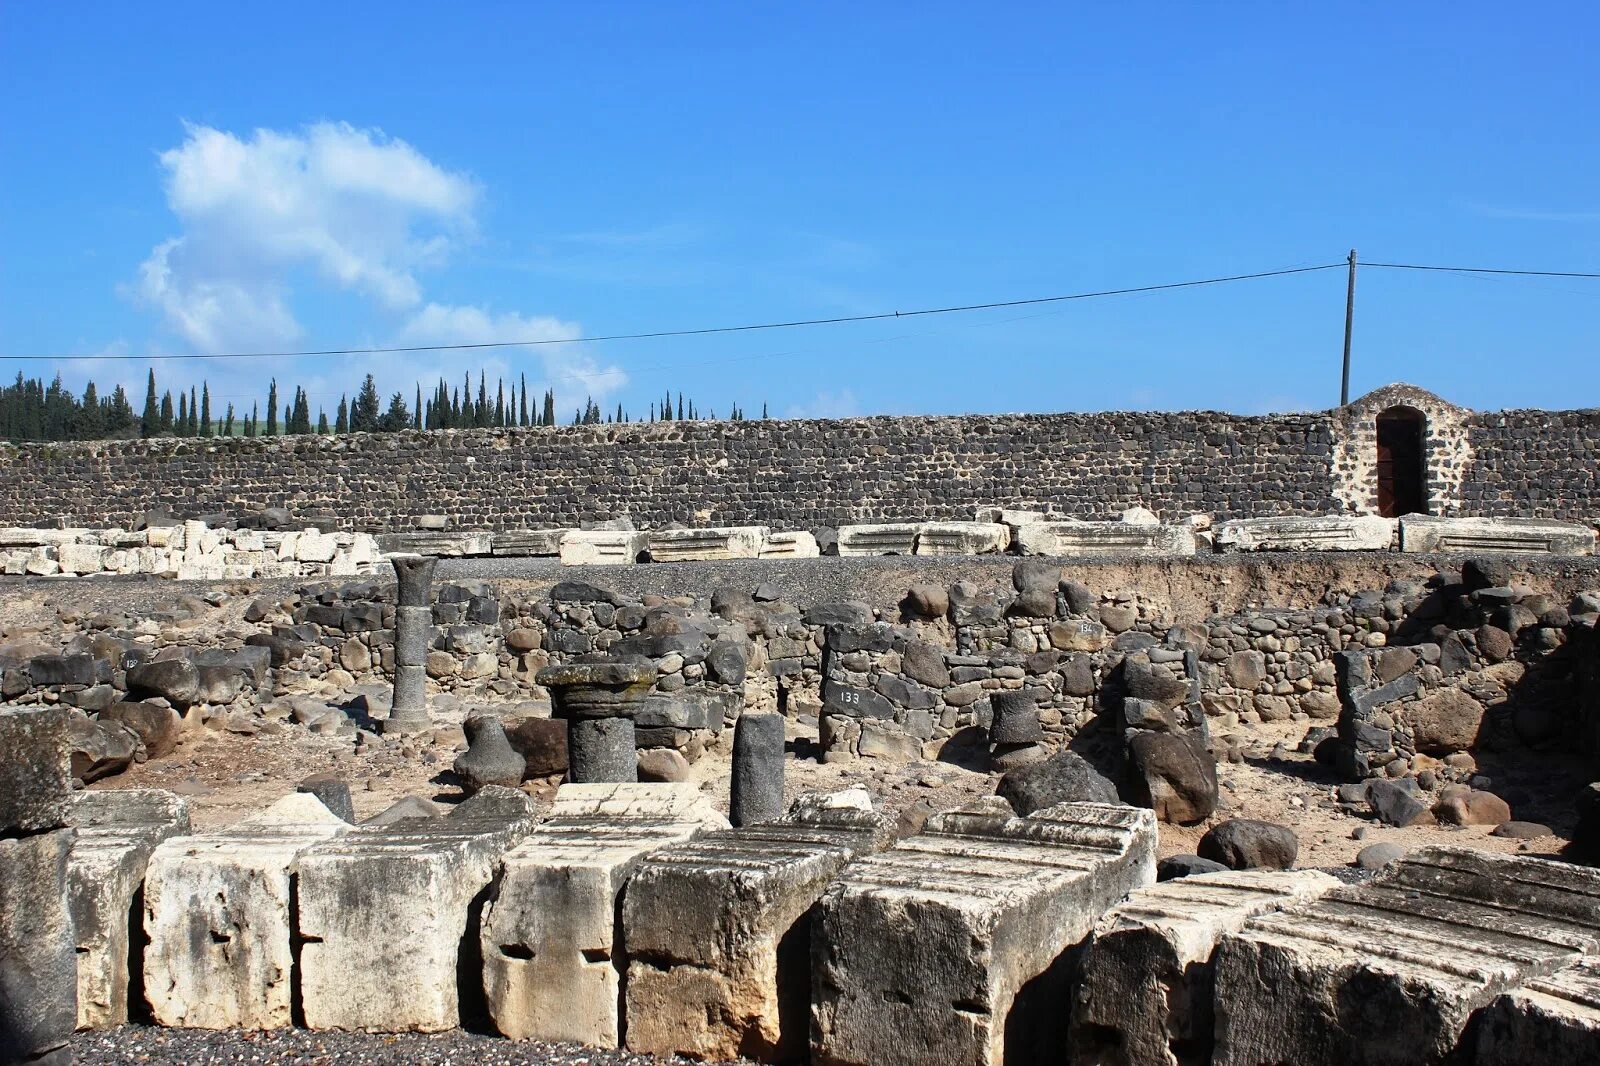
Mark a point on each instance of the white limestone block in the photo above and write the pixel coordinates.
(1368, 532)
(1096, 539)
(527, 542)
(962, 538)
(387, 910)
(797, 544)
(1145, 994)
(1140, 516)
(26, 537)
(549, 935)
(248, 540)
(41, 561)
(315, 547)
(921, 951)
(81, 558)
(882, 538)
(1532, 536)
(601, 547)
(164, 537)
(117, 832)
(216, 912)
(438, 542)
(718, 542)
(710, 924)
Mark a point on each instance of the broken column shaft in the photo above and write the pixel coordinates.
(413, 618)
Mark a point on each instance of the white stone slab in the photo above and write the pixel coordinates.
(601, 547)
(118, 830)
(721, 542)
(921, 952)
(1103, 539)
(1314, 533)
(962, 538)
(529, 543)
(217, 915)
(790, 545)
(1534, 536)
(882, 538)
(442, 543)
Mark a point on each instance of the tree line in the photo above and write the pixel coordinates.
(32, 410)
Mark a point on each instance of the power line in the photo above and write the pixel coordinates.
(1483, 270)
(880, 316)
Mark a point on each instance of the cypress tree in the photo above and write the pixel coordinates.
(417, 415)
(183, 415)
(205, 409)
(227, 423)
(322, 422)
(550, 407)
(151, 419)
(272, 408)
(342, 422)
(522, 416)
(499, 403)
(165, 422)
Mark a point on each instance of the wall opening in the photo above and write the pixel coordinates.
(1402, 462)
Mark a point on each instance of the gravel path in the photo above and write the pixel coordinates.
(297, 1047)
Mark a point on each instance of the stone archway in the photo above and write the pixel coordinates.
(1402, 465)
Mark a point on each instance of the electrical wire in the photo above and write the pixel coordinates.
(880, 316)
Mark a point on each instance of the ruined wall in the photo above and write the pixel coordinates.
(799, 474)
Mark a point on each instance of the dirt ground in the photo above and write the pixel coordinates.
(228, 777)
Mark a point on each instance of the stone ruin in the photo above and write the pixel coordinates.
(579, 883)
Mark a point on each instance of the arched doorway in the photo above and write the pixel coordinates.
(1402, 462)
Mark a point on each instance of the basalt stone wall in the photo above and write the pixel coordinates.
(799, 474)
(1533, 462)
(791, 474)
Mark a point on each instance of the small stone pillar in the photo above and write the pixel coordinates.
(757, 794)
(413, 618)
(599, 701)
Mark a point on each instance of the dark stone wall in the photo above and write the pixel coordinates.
(786, 474)
(1525, 462)
(791, 474)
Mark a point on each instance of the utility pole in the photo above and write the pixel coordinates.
(1349, 323)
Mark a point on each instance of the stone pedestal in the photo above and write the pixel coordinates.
(413, 620)
(757, 793)
(599, 701)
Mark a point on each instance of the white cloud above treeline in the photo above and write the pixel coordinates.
(348, 210)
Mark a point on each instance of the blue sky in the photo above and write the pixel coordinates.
(183, 177)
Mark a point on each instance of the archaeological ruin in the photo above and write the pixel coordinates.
(1098, 740)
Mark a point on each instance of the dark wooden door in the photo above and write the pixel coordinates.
(1402, 464)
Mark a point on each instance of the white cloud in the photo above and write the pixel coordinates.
(360, 210)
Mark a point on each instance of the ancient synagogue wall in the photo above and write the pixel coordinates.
(797, 474)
